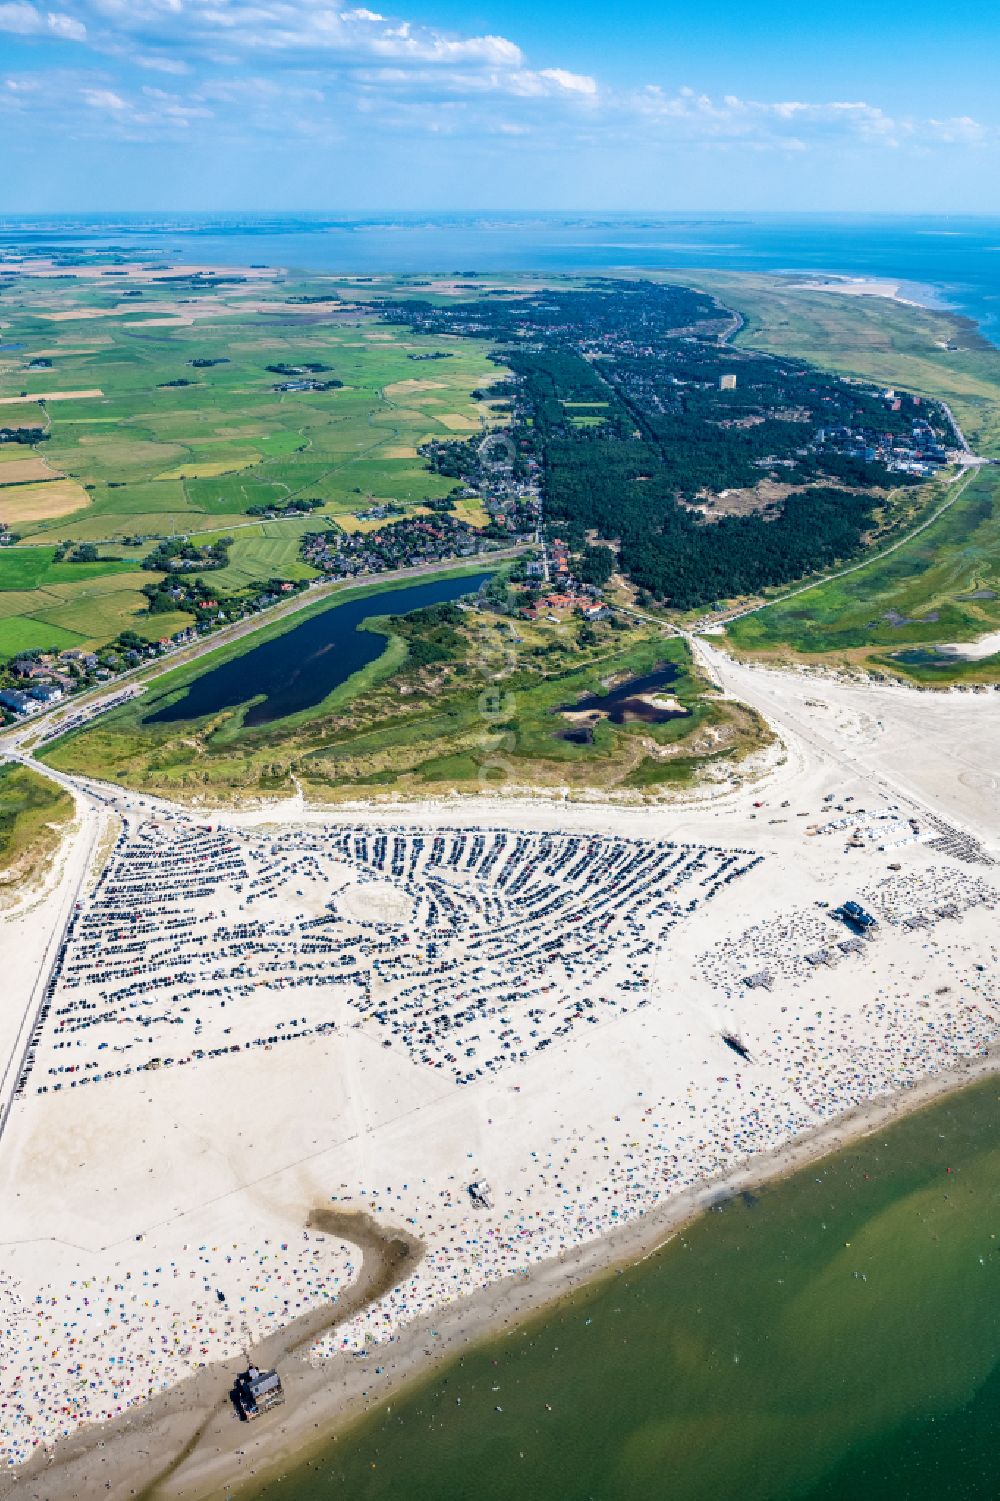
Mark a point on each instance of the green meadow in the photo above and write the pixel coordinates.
(33, 812)
(943, 585)
(414, 721)
(159, 459)
(50, 606)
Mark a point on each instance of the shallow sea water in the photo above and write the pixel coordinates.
(953, 260)
(834, 1338)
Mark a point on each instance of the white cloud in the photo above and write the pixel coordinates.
(291, 30)
(573, 83)
(103, 99)
(960, 131)
(24, 20)
(66, 27)
(312, 66)
(158, 63)
(792, 125)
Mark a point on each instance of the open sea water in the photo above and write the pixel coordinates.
(834, 1338)
(948, 261)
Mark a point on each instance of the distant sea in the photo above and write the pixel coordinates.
(943, 261)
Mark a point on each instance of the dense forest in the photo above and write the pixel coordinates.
(641, 416)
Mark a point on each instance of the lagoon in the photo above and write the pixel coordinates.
(297, 669)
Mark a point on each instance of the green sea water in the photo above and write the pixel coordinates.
(835, 1338)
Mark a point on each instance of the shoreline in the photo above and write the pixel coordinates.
(173, 1417)
(194, 1454)
(371, 1122)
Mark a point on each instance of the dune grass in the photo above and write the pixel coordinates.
(33, 815)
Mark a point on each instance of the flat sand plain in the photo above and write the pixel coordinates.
(132, 1203)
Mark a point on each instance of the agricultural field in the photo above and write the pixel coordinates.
(33, 815)
(47, 605)
(413, 721)
(188, 436)
(159, 417)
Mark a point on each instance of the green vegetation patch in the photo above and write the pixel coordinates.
(33, 813)
(22, 633)
(34, 568)
(460, 696)
(942, 585)
(646, 444)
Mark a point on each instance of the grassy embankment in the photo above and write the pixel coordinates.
(33, 815)
(484, 711)
(942, 586)
(148, 459)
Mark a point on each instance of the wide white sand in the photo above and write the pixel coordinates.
(859, 286)
(974, 651)
(131, 1203)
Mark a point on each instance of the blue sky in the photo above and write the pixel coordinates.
(498, 104)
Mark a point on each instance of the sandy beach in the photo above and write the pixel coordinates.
(262, 1020)
(974, 651)
(860, 286)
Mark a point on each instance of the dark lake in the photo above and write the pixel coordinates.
(624, 703)
(296, 670)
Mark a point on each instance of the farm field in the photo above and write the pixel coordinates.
(175, 428)
(54, 606)
(189, 436)
(413, 720)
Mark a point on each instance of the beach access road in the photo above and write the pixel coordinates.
(33, 932)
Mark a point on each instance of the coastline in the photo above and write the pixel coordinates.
(165, 1430)
(164, 1451)
(182, 1442)
(849, 285)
